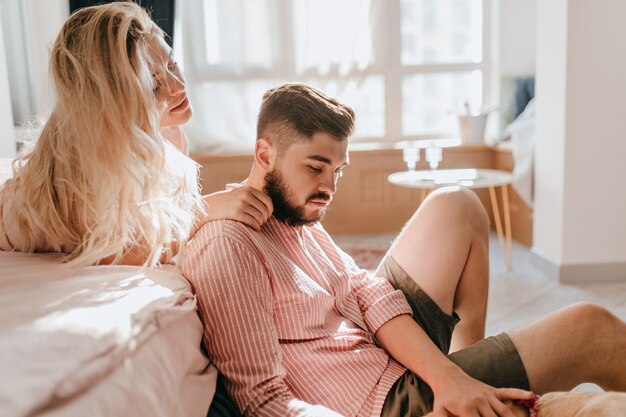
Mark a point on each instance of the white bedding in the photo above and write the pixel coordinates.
(100, 341)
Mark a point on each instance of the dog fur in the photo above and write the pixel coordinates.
(575, 404)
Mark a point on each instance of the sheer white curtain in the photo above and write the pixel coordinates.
(7, 136)
(232, 51)
(404, 65)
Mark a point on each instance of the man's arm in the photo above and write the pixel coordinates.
(236, 304)
(456, 393)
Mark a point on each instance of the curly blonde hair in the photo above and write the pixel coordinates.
(98, 180)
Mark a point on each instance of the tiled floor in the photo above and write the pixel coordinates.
(525, 294)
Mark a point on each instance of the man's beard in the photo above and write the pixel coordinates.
(284, 209)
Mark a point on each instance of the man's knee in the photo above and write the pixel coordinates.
(589, 317)
(460, 204)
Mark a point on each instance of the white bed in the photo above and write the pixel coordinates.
(99, 341)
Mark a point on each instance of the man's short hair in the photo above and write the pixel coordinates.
(295, 112)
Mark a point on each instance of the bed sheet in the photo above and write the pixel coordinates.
(99, 341)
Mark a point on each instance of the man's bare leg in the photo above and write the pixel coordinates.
(444, 248)
(579, 343)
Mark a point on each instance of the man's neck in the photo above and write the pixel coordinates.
(256, 178)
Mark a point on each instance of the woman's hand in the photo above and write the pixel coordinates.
(244, 204)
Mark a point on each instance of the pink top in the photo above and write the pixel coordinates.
(289, 319)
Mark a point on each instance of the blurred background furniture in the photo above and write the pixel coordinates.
(428, 180)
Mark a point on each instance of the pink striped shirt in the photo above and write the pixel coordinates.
(289, 319)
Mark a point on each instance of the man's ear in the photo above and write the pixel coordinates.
(264, 153)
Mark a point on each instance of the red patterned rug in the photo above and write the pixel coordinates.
(366, 257)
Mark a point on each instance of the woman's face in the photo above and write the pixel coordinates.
(169, 86)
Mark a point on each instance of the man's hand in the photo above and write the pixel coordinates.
(456, 393)
(463, 396)
(244, 204)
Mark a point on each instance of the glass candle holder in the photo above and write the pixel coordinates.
(434, 155)
(410, 156)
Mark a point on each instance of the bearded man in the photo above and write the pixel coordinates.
(297, 329)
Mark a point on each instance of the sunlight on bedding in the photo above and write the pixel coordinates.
(85, 341)
(112, 310)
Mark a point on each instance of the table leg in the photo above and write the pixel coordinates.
(496, 216)
(424, 194)
(507, 227)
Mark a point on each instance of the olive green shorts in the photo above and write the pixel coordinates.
(493, 360)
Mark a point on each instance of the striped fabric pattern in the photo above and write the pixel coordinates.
(289, 319)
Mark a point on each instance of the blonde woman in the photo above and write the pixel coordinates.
(108, 180)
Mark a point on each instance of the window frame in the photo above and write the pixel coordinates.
(389, 67)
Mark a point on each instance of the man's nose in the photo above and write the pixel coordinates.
(329, 183)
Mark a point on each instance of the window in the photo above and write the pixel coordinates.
(404, 65)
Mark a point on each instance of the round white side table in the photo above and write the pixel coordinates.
(428, 180)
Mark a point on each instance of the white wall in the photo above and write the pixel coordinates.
(517, 28)
(595, 191)
(550, 143)
(7, 142)
(513, 53)
(580, 197)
